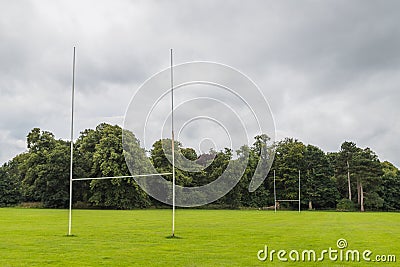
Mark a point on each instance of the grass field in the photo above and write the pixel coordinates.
(37, 237)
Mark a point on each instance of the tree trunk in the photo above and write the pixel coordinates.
(310, 205)
(358, 193)
(348, 179)
(362, 197)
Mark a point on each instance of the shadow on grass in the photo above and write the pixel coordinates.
(173, 237)
(70, 236)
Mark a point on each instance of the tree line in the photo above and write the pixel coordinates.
(352, 178)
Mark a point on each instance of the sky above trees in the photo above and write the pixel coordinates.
(329, 70)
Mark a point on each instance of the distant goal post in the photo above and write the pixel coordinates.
(277, 201)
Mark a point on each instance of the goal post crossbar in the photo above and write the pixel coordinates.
(120, 177)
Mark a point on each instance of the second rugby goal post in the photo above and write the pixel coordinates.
(276, 201)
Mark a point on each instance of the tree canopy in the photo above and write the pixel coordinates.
(353, 175)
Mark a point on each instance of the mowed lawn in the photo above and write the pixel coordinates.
(37, 237)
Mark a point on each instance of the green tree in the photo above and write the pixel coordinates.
(343, 163)
(348, 152)
(10, 188)
(233, 169)
(161, 157)
(55, 174)
(45, 170)
(369, 172)
(289, 159)
(259, 154)
(109, 161)
(319, 186)
(362, 170)
(84, 149)
(390, 190)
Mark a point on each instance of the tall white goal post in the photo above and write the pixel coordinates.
(71, 179)
(276, 201)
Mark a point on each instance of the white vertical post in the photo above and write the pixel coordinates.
(173, 148)
(299, 192)
(274, 193)
(72, 144)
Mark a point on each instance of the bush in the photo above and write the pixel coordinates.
(82, 205)
(29, 205)
(345, 205)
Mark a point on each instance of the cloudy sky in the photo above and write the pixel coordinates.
(330, 70)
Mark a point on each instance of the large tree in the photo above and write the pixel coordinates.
(161, 157)
(368, 172)
(45, 175)
(289, 159)
(390, 190)
(259, 156)
(319, 186)
(362, 170)
(10, 184)
(109, 161)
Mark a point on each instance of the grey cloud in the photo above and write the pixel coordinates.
(328, 69)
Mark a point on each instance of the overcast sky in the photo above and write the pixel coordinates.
(330, 70)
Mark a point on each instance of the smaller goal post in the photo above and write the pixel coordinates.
(287, 200)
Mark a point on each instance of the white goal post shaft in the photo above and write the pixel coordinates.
(173, 146)
(299, 192)
(72, 144)
(274, 193)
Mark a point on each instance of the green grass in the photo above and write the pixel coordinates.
(37, 237)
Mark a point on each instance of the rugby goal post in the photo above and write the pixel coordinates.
(276, 201)
(71, 179)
